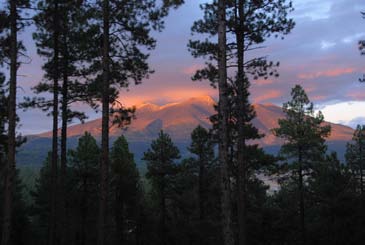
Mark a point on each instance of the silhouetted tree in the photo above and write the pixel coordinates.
(47, 40)
(84, 166)
(355, 156)
(125, 192)
(202, 147)
(161, 170)
(304, 146)
(125, 40)
(11, 24)
(250, 23)
(333, 204)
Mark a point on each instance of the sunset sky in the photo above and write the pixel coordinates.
(321, 54)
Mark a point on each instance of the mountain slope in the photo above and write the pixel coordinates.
(177, 119)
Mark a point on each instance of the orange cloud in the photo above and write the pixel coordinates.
(329, 73)
(273, 94)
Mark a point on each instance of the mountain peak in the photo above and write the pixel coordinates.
(148, 105)
(206, 99)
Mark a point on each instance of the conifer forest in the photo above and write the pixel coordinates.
(251, 130)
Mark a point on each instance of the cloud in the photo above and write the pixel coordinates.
(327, 45)
(347, 113)
(328, 73)
(312, 9)
(353, 38)
(356, 121)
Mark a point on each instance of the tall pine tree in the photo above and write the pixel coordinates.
(162, 168)
(203, 164)
(249, 23)
(125, 39)
(84, 172)
(125, 193)
(304, 146)
(11, 25)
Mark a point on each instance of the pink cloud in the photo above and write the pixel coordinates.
(328, 73)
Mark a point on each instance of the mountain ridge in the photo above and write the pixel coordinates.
(180, 118)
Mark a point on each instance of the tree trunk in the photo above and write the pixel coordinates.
(119, 215)
(301, 198)
(63, 167)
(223, 121)
(55, 72)
(201, 199)
(104, 165)
(361, 171)
(84, 213)
(10, 166)
(241, 94)
(163, 217)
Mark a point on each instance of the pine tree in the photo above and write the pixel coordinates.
(84, 162)
(125, 41)
(250, 23)
(223, 121)
(355, 156)
(63, 27)
(304, 145)
(333, 204)
(10, 26)
(161, 169)
(3, 120)
(203, 164)
(40, 210)
(21, 230)
(125, 191)
(47, 40)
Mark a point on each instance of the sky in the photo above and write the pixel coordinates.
(321, 53)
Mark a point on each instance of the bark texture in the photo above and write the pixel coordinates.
(226, 206)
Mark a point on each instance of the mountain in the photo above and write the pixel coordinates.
(178, 119)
